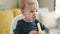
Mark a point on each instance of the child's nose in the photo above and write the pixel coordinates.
(35, 13)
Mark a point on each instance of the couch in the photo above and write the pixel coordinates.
(6, 17)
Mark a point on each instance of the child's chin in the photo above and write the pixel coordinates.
(34, 19)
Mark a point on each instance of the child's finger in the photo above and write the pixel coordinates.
(33, 32)
(42, 32)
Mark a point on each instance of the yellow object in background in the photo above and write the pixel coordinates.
(39, 27)
(5, 19)
(52, 33)
(17, 12)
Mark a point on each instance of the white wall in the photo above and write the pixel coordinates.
(47, 3)
(7, 4)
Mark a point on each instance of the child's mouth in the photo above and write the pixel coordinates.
(34, 17)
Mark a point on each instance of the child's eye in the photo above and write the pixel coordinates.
(36, 11)
(31, 11)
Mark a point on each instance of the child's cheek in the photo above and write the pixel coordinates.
(31, 17)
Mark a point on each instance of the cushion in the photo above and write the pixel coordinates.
(5, 21)
(17, 12)
(49, 19)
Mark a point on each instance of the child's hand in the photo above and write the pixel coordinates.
(33, 32)
(42, 32)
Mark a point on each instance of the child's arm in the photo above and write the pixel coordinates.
(18, 29)
(33, 32)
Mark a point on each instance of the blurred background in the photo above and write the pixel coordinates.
(49, 14)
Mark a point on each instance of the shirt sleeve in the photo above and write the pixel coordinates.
(18, 29)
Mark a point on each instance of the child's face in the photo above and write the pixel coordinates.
(30, 12)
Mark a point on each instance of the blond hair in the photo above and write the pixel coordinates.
(30, 2)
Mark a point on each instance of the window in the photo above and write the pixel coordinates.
(57, 8)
